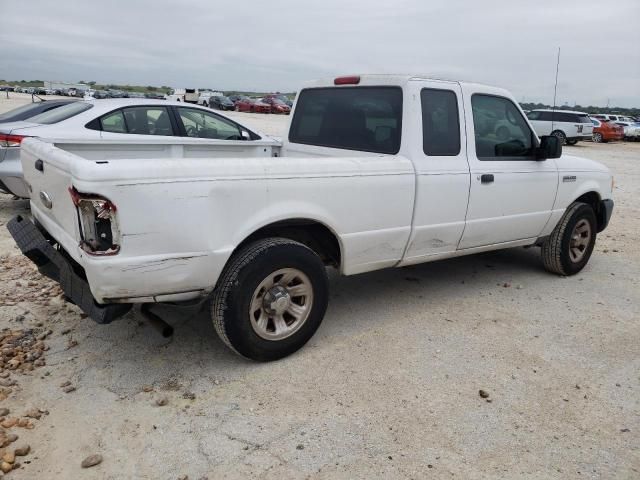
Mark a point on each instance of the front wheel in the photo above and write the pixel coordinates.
(569, 247)
(270, 299)
(597, 137)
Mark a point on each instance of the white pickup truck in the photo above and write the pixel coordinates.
(377, 171)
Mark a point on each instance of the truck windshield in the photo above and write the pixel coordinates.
(368, 119)
(58, 114)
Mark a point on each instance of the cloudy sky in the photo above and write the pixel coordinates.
(276, 45)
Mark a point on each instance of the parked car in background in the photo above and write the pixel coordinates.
(631, 129)
(569, 126)
(127, 120)
(205, 97)
(154, 95)
(614, 117)
(280, 97)
(189, 95)
(277, 105)
(221, 103)
(25, 112)
(606, 130)
(246, 104)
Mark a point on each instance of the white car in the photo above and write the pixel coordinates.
(611, 117)
(570, 127)
(631, 129)
(376, 171)
(132, 120)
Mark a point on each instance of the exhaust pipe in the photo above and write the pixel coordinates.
(155, 321)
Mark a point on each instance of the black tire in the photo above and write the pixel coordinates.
(556, 255)
(230, 305)
(561, 136)
(572, 142)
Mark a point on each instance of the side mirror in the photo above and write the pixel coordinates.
(245, 135)
(550, 147)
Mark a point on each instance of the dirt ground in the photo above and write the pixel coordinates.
(387, 388)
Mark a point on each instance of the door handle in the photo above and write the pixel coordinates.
(486, 178)
(39, 165)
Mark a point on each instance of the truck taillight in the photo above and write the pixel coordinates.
(7, 140)
(99, 233)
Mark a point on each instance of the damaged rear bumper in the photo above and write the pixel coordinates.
(52, 263)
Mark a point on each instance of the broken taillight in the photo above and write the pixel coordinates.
(99, 233)
(7, 140)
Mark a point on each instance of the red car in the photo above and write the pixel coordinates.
(277, 105)
(246, 104)
(605, 130)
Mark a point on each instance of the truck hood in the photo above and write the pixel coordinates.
(571, 162)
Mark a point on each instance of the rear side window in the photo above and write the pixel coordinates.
(113, 122)
(566, 117)
(440, 122)
(584, 119)
(63, 113)
(367, 119)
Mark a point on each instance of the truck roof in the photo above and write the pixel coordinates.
(396, 79)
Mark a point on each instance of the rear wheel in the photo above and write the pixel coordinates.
(270, 299)
(561, 136)
(597, 137)
(569, 247)
(572, 142)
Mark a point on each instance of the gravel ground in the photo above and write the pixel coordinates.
(389, 387)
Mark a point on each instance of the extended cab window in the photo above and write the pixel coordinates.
(501, 132)
(368, 119)
(440, 122)
(202, 124)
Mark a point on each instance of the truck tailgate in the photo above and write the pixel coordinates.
(47, 171)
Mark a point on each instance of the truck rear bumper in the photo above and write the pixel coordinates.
(52, 263)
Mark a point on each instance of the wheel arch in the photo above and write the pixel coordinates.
(594, 199)
(310, 232)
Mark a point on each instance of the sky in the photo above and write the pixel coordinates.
(277, 45)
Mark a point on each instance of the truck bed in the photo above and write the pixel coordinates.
(182, 208)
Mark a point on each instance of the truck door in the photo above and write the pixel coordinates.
(439, 154)
(512, 193)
